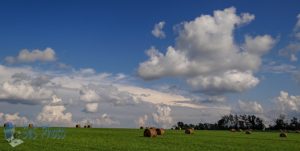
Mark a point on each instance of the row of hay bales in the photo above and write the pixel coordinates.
(85, 126)
(249, 131)
(153, 132)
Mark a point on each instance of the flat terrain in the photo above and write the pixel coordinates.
(133, 140)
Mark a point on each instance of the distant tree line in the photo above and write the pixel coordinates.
(243, 122)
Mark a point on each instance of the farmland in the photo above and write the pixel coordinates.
(132, 139)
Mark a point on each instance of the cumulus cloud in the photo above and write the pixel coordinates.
(23, 92)
(162, 116)
(206, 55)
(54, 113)
(91, 107)
(27, 56)
(288, 103)
(107, 93)
(103, 121)
(248, 107)
(158, 30)
(142, 121)
(15, 118)
(292, 49)
(88, 95)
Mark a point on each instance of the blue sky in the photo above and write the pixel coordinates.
(95, 38)
(94, 29)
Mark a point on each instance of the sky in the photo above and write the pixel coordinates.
(147, 63)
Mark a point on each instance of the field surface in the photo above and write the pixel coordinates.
(133, 140)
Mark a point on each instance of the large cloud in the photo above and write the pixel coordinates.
(248, 107)
(207, 56)
(91, 107)
(54, 113)
(26, 89)
(26, 56)
(288, 103)
(162, 116)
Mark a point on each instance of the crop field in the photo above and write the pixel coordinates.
(173, 140)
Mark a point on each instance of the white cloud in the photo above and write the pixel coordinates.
(142, 121)
(26, 56)
(91, 107)
(54, 114)
(88, 95)
(288, 103)
(279, 68)
(157, 97)
(103, 121)
(205, 48)
(22, 92)
(158, 30)
(107, 93)
(248, 107)
(258, 45)
(292, 49)
(15, 118)
(162, 117)
(231, 80)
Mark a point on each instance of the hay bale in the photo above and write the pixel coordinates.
(248, 132)
(30, 125)
(78, 126)
(84, 126)
(141, 127)
(160, 131)
(89, 126)
(232, 130)
(150, 132)
(189, 131)
(282, 134)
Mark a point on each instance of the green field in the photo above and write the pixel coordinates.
(133, 140)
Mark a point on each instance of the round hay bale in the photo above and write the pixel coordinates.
(248, 132)
(89, 126)
(150, 132)
(282, 135)
(84, 126)
(141, 127)
(232, 130)
(160, 131)
(189, 131)
(78, 126)
(30, 125)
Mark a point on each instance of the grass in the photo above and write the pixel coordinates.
(133, 140)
